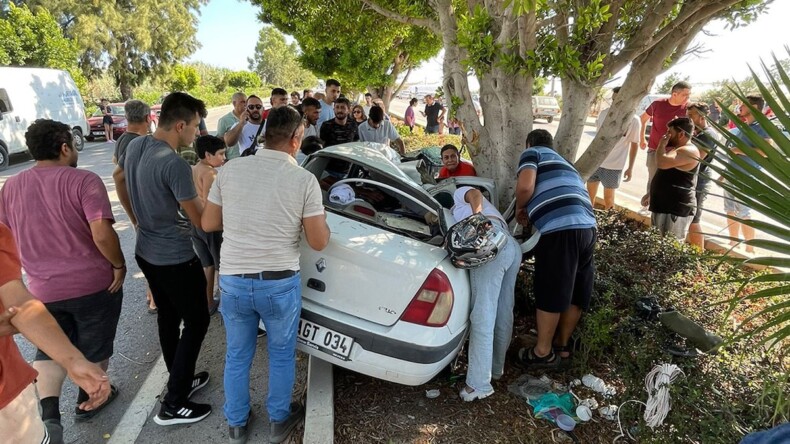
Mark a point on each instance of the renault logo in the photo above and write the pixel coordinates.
(320, 265)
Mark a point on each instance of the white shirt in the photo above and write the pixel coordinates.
(619, 154)
(311, 130)
(383, 134)
(262, 213)
(247, 135)
(461, 208)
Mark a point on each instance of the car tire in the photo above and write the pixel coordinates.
(152, 127)
(79, 141)
(4, 159)
(550, 119)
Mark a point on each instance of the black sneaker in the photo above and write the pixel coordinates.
(200, 380)
(186, 413)
(261, 332)
(279, 431)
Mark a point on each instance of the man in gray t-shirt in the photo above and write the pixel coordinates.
(152, 182)
(158, 179)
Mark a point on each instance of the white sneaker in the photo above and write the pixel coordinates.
(474, 394)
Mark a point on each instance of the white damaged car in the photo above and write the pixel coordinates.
(383, 298)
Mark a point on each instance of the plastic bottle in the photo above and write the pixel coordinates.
(596, 384)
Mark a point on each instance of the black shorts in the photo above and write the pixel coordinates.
(106, 120)
(564, 270)
(206, 246)
(701, 194)
(90, 323)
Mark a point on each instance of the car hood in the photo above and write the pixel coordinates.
(365, 271)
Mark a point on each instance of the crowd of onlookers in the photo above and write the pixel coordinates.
(680, 144)
(194, 223)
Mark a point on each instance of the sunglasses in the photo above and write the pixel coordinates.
(252, 107)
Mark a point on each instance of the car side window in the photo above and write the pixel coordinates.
(5, 102)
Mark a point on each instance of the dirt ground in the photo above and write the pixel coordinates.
(374, 411)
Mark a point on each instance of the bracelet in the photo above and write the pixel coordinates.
(118, 268)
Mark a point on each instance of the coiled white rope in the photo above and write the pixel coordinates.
(657, 384)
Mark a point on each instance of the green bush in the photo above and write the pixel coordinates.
(740, 389)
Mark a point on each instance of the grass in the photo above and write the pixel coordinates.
(741, 389)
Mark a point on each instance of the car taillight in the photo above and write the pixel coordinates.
(433, 302)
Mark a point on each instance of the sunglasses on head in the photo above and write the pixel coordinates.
(251, 107)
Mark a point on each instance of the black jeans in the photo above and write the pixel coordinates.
(180, 295)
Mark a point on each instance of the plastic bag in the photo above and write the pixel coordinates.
(551, 405)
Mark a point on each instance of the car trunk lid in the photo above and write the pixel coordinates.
(366, 271)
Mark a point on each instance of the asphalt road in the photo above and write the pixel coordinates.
(136, 359)
(137, 350)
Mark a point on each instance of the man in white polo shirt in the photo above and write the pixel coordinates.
(376, 129)
(259, 272)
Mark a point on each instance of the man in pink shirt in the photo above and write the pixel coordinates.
(61, 219)
(661, 111)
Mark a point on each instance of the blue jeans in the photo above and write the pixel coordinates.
(493, 287)
(244, 302)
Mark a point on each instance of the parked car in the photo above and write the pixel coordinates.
(383, 298)
(27, 94)
(545, 107)
(119, 123)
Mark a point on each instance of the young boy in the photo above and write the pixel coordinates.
(211, 151)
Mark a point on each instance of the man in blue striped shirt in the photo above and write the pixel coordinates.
(551, 194)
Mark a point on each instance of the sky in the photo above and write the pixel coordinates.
(228, 32)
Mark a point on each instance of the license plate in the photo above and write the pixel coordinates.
(98, 133)
(324, 339)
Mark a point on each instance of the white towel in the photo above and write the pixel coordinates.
(342, 194)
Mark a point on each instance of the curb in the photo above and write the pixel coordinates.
(319, 424)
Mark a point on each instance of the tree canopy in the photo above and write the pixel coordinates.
(345, 40)
(132, 39)
(509, 42)
(276, 62)
(35, 39)
(183, 78)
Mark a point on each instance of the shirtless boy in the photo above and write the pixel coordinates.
(211, 151)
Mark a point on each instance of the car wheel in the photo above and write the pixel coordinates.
(4, 160)
(550, 119)
(152, 127)
(79, 141)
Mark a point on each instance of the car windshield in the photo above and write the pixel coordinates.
(547, 101)
(117, 110)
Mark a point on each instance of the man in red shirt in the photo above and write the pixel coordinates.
(453, 165)
(661, 111)
(20, 312)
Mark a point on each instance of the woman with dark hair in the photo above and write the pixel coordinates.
(359, 114)
(106, 110)
(409, 115)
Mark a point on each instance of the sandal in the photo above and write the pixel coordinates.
(84, 415)
(565, 361)
(528, 358)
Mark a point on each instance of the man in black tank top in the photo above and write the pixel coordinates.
(672, 196)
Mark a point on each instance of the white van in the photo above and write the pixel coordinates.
(27, 94)
(545, 107)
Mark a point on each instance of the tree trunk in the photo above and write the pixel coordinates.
(126, 90)
(578, 98)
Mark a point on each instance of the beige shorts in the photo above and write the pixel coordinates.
(20, 420)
